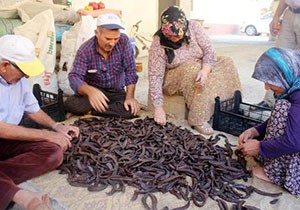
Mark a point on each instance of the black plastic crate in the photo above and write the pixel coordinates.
(233, 116)
(50, 103)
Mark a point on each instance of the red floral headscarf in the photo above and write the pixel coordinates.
(173, 23)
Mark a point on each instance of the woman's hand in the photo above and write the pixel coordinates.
(200, 79)
(247, 144)
(250, 148)
(202, 76)
(160, 116)
(246, 135)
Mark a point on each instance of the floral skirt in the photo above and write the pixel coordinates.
(222, 82)
(284, 170)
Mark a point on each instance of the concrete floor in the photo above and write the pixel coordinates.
(244, 50)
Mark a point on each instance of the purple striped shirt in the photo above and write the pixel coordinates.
(116, 72)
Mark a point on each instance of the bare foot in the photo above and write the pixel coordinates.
(260, 173)
(37, 204)
(30, 200)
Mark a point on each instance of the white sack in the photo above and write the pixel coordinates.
(71, 41)
(41, 31)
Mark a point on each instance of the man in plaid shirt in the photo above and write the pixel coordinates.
(103, 66)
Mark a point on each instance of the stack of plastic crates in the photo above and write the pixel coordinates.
(233, 116)
(50, 103)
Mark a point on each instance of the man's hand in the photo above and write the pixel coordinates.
(67, 130)
(97, 99)
(62, 140)
(274, 26)
(134, 104)
(160, 115)
(63, 135)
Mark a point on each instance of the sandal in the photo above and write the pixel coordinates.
(205, 129)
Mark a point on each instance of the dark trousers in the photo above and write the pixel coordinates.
(80, 105)
(21, 161)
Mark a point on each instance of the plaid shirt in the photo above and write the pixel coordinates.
(90, 67)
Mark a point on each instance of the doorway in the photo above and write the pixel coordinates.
(163, 4)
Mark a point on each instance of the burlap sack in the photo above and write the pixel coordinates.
(8, 8)
(71, 41)
(41, 31)
(61, 13)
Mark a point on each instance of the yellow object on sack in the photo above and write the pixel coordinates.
(88, 8)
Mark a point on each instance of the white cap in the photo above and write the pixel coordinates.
(109, 21)
(21, 51)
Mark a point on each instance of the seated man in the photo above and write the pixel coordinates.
(103, 66)
(25, 152)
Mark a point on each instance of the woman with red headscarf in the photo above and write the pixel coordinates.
(182, 61)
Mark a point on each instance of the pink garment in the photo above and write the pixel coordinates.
(199, 49)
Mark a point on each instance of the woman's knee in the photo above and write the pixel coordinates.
(192, 66)
(224, 61)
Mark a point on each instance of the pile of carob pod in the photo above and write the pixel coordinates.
(153, 158)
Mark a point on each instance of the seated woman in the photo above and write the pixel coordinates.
(277, 141)
(182, 61)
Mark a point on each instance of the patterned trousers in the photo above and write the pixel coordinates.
(222, 81)
(284, 170)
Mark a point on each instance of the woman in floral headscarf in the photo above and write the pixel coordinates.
(182, 61)
(279, 150)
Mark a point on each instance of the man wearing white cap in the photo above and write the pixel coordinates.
(104, 65)
(24, 152)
